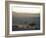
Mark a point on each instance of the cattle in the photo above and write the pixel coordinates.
(25, 26)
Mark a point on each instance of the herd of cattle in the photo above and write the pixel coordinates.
(30, 26)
